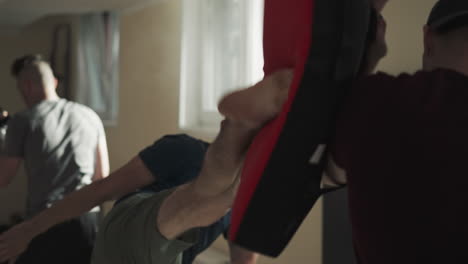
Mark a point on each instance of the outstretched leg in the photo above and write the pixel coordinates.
(208, 198)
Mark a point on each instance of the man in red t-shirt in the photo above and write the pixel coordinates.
(400, 146)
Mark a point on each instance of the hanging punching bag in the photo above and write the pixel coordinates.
(323, 40)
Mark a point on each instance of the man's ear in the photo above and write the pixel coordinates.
(28, 88)
(28, 85)
(428, 41)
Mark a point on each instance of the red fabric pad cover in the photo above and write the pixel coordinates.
(287, 38)
(279, 186)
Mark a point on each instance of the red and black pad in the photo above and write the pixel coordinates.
(323, 40)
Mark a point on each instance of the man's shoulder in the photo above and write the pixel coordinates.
(82, 108)
(382, 84)
(386, 77)
(84, 111)
(418, 76)
(420, 81)
(177, 144)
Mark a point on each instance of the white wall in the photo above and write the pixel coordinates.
(405, 20)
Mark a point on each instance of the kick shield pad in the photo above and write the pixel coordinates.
(323, 40)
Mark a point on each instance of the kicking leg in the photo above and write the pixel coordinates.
(208, 198)
(246, 111)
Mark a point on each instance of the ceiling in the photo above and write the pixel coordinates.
(18, 13)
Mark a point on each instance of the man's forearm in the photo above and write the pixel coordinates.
(73, 205)
(127, 179)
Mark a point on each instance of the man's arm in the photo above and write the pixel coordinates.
(240, 255)
(102, 168)
(8, 169)
(127, 179)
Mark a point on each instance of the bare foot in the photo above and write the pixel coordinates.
(246, 111)
(258, 104)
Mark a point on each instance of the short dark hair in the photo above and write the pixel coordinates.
(456, 23)
(448, 15)
(20, 63)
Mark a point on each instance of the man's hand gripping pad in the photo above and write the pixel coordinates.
(323, 40)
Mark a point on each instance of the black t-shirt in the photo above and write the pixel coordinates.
(403, 142)
(175, 160)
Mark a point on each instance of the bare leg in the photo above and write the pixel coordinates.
(223, 158)
(246, 112)
(205, 200)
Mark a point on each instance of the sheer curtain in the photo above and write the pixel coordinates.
(97, 82)
(221, 51)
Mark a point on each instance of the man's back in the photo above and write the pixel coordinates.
(403, 143)
(58, 141)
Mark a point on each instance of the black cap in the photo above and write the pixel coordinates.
(447, 11)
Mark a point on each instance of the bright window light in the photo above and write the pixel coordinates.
(221, 52)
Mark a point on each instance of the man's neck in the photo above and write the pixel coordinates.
(51, 97)
(46, 97)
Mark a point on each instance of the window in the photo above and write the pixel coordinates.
(97, 74)
(221, 52)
